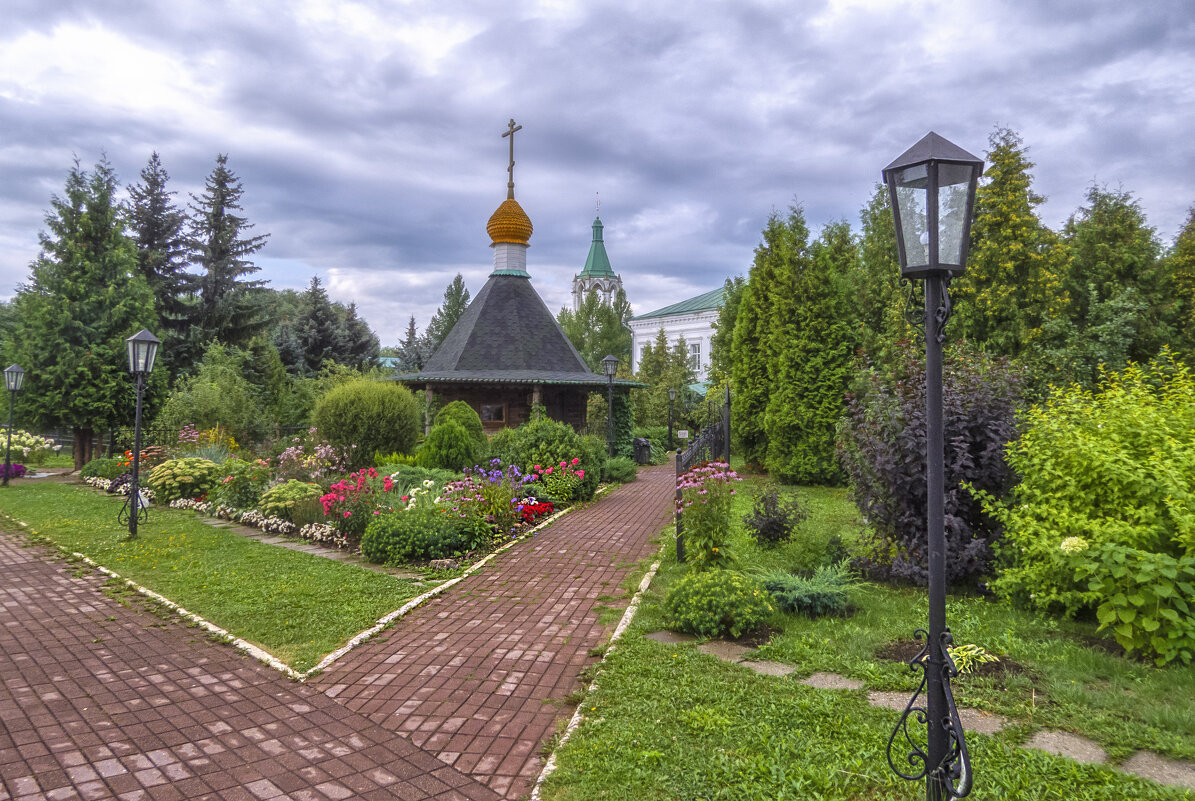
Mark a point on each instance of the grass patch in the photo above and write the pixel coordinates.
(297, 606)
(667, 722)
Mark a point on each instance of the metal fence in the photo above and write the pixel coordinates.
(712, 443)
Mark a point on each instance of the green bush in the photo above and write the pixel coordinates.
(1106, 503)
(449, 446)
(422, 533)
(774, 517)
(284, 499)
(183, 478)
(717, 603)
(464, 414)
(103, 468)
(826, 592)
(658, 437)
(395, 460)
(242, 483)
(544, 441)
(620, 470)
(366, 416)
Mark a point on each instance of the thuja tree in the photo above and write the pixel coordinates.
(84, 297)
(882, 447)
(1181, 266)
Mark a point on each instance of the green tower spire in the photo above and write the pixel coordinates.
(598, 263)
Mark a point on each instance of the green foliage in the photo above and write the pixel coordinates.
(826, 592)
(70, 320)
(407, 477)
(216, 394)
(1146, 599)
(449, 446)
(364, 416)
(1111, 466)
(283, 500)
(470, 420)
(661, 368)
(422, 533)
(389, 462)
(716, 604)
(705, 502)
(619, 470)
(722, 340)
(658, 437)
(456, 300)
(967, 657)
(1181, 266)
(598, 330)
(875, 297)
(242, 483)
(544, 441)
(102, 468)
(316, 331)
(182, 478)
(775, 517)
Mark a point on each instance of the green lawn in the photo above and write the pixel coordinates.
(297, 606)
(669, 722)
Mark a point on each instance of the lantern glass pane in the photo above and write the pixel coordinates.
(953, 182)
(912, 186)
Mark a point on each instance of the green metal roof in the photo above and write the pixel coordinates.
(707, 302)
(598, 263)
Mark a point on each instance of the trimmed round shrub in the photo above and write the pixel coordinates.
(282, 500)
(620, 470)
(717, 603)
(547, 442)
(103, 468)
(421, 534)
(183, 478)
(242, 484)
(449, 446)
(464, 414)
(364, 416)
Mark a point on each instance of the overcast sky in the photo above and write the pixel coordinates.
(367, 135)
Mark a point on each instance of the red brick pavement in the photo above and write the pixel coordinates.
(101, 701)
(477, 675)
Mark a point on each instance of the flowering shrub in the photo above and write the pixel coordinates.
(492, 493)
(243, 483)
(533, 510)
(324, 534)
(717, 603)
(30, 447)
(281, 501)
(352, 502)
(560, 481)
(13, 470)
(706, 491)
(182, 478)
(310, 459)
(188, 436)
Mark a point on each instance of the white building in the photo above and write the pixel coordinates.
(692, 319)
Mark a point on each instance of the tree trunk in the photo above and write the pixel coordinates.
(84, 446)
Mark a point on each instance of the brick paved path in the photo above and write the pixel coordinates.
(477, 676)
(99, 701)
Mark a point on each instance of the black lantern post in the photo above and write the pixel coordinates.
(932, 191)
(671, 398)
(610, 367)
(143, 349)
(14, 379)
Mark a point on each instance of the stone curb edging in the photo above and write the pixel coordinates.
(578, 717)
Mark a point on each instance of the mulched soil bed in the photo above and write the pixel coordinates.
(904, 650)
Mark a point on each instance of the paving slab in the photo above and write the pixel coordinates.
(767, 668)
(481, 674)
(1063, 743)
(833, 681)
(100, 701)
(670, 637)
(727, 651)
(1149, 765)
(976, 720)
(889, 700)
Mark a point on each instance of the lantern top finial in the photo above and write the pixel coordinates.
(932, 147)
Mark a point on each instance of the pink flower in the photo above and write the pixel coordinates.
(348, 514)
(537, 467)
(549, 470)
(580, 474)
(576, 461)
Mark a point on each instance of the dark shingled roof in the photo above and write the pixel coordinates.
(507, 335)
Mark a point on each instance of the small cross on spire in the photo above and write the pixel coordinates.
(510, 183)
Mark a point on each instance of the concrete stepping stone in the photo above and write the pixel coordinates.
(768, 668)
(976, 720)
(1069, 745)
(1149, 765)
(726, 651)
(833, 681)
(889, 700)
(670, 637)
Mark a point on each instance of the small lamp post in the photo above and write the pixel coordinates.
(932, 190)
(610, 367)
(14, 379)
(143, 349)
(671, 398)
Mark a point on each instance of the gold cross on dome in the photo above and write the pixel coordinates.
(510, 183)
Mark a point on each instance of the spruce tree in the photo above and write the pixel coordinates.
(316, 328)
(230, 308)
(411, 352)
(1014, 268)
(456, 300)
(356, 343)
(85, 296)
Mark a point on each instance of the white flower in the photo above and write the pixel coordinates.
(1073, 545)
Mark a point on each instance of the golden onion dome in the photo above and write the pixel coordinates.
(509, 223)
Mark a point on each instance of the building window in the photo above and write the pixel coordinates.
(695, 356)
(493, 413)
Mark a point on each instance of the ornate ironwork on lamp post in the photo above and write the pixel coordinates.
(671, 398)
(14, 379)
(610, 367)
(932, 190)
(143, 349)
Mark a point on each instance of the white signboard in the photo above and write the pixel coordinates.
(682, 434)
